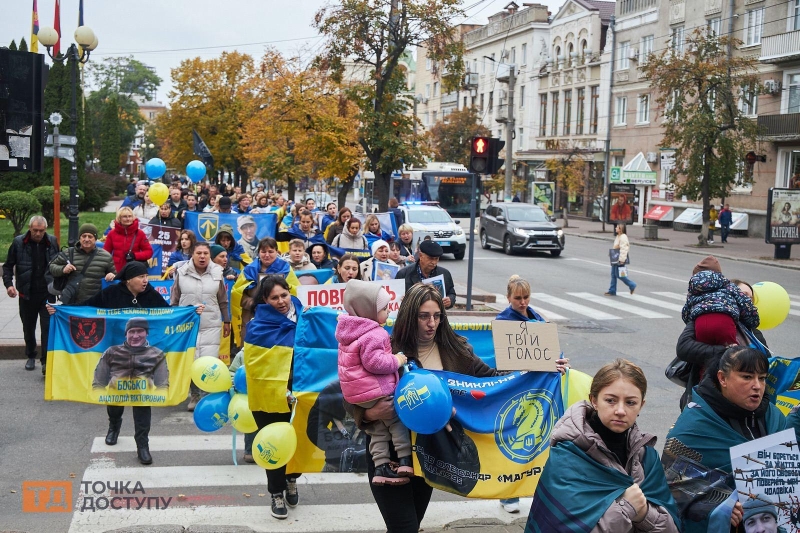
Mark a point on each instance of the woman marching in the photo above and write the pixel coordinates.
(620, 243)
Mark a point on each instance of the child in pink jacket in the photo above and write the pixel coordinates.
(368, 372)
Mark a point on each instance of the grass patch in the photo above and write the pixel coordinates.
(98, 218)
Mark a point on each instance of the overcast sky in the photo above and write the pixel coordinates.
(162, 33)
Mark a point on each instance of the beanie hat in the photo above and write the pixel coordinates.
(131, 270)
(709, 263)
(361, 299)
(216, 249)
(377, 244)
(88, 228)
(758, 505)
(383, 299)
(137, 322)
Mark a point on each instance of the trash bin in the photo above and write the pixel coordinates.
(650, 232)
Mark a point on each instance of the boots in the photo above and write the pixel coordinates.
(144, 455)
(113, 432)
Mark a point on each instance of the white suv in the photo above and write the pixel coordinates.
(430, 219)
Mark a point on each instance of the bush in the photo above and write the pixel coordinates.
(99, 190)
(120, 185)
(19, 207)
(45, 197)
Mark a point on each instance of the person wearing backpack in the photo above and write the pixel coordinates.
(84, 266)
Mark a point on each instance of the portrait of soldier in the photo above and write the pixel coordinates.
(132, 361)
(249, 241)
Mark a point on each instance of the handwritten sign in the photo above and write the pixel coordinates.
(525, 345)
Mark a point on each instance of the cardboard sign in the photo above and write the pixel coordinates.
(525, 345)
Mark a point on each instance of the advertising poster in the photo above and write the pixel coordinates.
(544, 195)
(783, 216)
(621, 198)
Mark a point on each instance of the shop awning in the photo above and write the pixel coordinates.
(663, 213)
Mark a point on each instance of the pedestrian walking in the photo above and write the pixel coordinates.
(619, 260)
(713, 215)
(725, 220)
(28, 258)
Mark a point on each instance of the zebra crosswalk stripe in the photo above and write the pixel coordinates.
(672, 296)
(616, 304)
(652, 301)
(574, 307)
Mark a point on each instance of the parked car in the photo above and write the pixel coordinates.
(519, 226)
(430, 219)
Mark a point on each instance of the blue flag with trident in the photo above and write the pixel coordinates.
(207, 225)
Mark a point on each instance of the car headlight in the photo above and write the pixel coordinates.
(560, 233)
(459, 231)
(520, 231)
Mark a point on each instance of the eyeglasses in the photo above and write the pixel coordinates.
(425, 317)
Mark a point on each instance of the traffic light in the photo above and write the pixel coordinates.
(479, 156)
(495, 145)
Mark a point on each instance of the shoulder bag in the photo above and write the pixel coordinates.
(70, 292)
(678, 372)
(57, 285)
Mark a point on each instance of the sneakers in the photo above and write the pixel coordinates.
(193, 399)
(406, 468)
(710, 241)
(279, 510)
(292, 498)
(510, 506)
(384, 475)
(610, 294)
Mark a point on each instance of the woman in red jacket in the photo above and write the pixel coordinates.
(126, 242)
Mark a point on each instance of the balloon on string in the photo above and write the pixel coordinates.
(196, 171)
(423, 402)
(210, 374)
(155, 168)
(274, 445)
(240, 380)
(239, 414)
(211, 412)
(158, 193)
(772, 302)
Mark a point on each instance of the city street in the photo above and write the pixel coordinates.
(64, 441)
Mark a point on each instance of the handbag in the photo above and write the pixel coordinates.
(678, 372)
(613, 255)
(70, 291)
(57, 285)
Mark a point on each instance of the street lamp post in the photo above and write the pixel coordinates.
(87, 40)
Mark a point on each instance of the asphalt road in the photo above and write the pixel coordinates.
(56, 441)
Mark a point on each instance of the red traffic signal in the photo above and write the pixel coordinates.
(480, 145)
(479, 156)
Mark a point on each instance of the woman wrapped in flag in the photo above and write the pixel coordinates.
(600, 457)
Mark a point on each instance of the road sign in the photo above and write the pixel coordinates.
(63, 152)
(63, 139)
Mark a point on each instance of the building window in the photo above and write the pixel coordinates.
(481, 107)
(483, 65)
(623, 63)
(622, 110)
(678, 40)
(433, 116)
(465, 103)
(152, 115)
(794, 93)
(525, 51)
(475, 66)
(714, 26)
(643, 109)
(793, 167)
(427, 90)
(567, 111)
(554, 116)
(579, 111)
(513, 55)
(491, 101)
(753, 21)
(795, 15)
(543, 115)
(619, 161)
(748, 103)
(435, 89)
(645, 48)
(522, 96)
(594, 109)
(426, 119)
(427, 63)
(521, 138)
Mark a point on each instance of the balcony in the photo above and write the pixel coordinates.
(784, 127)
(781, 47)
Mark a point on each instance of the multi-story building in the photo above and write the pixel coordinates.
(569, 98)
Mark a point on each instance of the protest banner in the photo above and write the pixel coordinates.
(121, 356)
(207, 225)
(525, 345)
(166, 237)
(331, 295)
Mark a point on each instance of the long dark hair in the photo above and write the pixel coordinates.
(454, 350)
(267, 284)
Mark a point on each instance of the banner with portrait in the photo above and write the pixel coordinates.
(387, 220)
(121, 356)
(783, 216)
(620, 199)
(248, 227)
(166, 238)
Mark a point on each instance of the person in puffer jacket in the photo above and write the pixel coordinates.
(715, 305)
(368, 373)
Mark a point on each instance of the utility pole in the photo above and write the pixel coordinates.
(510, 134)
(607, 170)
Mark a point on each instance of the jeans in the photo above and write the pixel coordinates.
(612, 289)
(248, 442)
(710, 231)
(29, 312)
(141, 422)
(725, 229)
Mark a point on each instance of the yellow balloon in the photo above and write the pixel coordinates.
(240, 416)
(210, 374)
(274, 445)
(772, 302)
(158, 193)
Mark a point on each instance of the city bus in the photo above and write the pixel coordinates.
(449, 184)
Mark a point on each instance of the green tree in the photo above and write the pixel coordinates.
(19, 207)
(109, 138)
(376, 33)
(700, 91)
(450, 137)
(13, 45)
(23, 45)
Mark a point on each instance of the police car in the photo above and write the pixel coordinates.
(427, 218)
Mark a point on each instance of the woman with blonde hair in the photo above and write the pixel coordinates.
(623, 247)
(373, 231)
(126, 242)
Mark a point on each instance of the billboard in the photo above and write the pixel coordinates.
(621, 198)
(783, 216)
(543, 194)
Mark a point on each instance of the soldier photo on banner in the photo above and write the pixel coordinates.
(121, 356)
(206, 225)
(166, 237)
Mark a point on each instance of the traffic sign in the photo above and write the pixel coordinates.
(63, 139)
(63, 152)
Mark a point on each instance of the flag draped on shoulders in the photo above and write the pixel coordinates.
(268, 351)
(247, 280)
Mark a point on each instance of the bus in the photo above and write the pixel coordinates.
(449, 184)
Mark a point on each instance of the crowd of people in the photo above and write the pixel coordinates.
(596, 446)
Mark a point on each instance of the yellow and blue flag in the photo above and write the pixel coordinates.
(35, 28)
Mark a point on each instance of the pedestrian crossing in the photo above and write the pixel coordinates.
(196, 475)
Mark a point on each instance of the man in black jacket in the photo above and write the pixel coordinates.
(28, 260)
(428, 267)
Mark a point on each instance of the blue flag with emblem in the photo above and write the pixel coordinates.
(207, 225)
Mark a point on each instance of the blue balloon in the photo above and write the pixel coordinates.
(423, 402)
(196, 171)
(211, 412)
(240, 380)
(155, 168)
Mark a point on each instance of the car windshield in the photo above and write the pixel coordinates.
(527, 214)
(428, 216)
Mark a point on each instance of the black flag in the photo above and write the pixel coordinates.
(201, 150)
